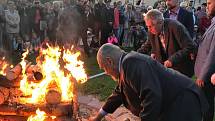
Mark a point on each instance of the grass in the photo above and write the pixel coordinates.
(101, 86)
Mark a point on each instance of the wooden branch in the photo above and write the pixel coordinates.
(62, 109)
(14, 72)
(4, 82)
(4, 94)
(24, 118)
(53, 97)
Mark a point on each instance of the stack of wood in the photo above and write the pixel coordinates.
(61, 110)
(10, 89)
(33, 73)
(12, 82)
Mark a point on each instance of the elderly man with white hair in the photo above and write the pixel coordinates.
(171, 43)
(148, 89)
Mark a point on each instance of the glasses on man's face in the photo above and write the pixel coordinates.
(36, 3)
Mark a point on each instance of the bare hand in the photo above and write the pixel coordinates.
(93, 119)
(213, 79)
(168, 64)
(200, 83)
(192, 56)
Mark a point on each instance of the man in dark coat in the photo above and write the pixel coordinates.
(24, 12)
(148, 89)
(177, 13)
(100, 19)
(205, 61)
(171, 43)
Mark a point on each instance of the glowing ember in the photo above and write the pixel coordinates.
(40, 116)
(54, 75)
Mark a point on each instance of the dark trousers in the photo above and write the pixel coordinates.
(186, 107)
(209, 94)
(83, 35)
(105, 33)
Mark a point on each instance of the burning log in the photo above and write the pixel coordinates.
(62, 109)
(7, 83)
(4, 94)
(34, 77)
(1, 98)
(53, 97)
(22, 118)
(34, 73)
(38, 76)
(32, 68)
(14, 72)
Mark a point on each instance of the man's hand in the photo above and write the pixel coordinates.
(93, 119)
(168, 64)
(98, 117)
(200, 83)
(213, 79)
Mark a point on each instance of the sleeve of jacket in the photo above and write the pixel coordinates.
(144, 80)
(187, 45)
(190, 23)
(113, 102)
(209, 67)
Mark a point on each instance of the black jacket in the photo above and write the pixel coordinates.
(148, 89)
(186, 18)
(179, 46)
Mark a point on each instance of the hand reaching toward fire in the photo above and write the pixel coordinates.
(98, 117)
(93, 119)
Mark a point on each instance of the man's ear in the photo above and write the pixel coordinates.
(109, 61)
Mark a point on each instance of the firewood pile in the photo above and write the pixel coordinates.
(46, 88)
(10, 95)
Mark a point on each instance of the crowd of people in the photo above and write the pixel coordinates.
(145, 83)
(170, 34)
(27, 21)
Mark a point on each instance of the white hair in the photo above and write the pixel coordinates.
(154, 15)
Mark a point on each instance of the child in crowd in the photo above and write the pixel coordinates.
(27, 44)
(112, 39)
(18, 44)
(35, 41)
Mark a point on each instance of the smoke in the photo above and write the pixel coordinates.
(70, 26)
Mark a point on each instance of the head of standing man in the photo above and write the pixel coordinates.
(211, 8)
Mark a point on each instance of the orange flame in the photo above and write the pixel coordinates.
(40, 116)
(54, 75)
(3, 66)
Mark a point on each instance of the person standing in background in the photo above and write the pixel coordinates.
(176, 12)
(1, 23)
(205, 61)
(12, 26)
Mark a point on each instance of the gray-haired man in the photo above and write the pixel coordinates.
(148, 89)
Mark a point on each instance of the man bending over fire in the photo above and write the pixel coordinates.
(148, 89)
